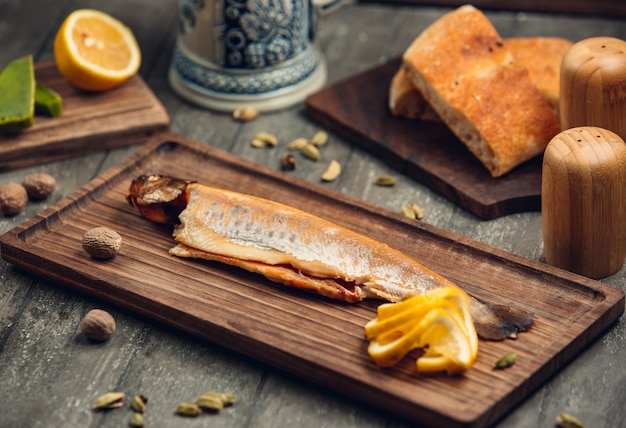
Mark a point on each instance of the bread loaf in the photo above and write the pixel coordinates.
(464, 71)
(406, 100)
(542, 57)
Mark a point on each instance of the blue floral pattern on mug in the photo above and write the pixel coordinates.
(256, 33)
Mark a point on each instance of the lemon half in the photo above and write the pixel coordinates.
(95, 51)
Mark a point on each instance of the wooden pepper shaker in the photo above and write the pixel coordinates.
(593, 85)
(583, 201)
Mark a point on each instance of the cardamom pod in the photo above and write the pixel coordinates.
(136, 420)
(288, 162)
(110, 400)
(210, 401)
(419, 212)
(505, 362)
(139, 403)
(385, 180)
(245, 114)
(297, 144)
(270, 140)
(565, 420)
(227, 399)
(310, 151)
(188, 409)
(332, 171)
(319, 139)
(408, 212)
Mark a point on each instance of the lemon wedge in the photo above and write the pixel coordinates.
(95, 51)
(438, 321)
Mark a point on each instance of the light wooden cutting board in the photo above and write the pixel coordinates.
(91, 122)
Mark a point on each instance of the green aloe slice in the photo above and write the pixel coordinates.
(17, 94)
(47, 101)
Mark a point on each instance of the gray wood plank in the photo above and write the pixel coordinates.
(50, 374)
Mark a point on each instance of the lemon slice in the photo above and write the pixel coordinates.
(95, 51)
(449, 348)
(390, 309)
(389, 353)
(438, 321)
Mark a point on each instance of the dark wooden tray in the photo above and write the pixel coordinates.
(91, 122)
(357, 108)
(585, 7)
(315, 338)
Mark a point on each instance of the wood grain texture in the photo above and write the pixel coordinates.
(91, 122)
(43, 352)
(357, 109)
(312, 337)
(593, 85)
(584, 201)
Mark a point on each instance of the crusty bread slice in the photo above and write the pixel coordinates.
(463, 70)
(405, 100)
(542, 57)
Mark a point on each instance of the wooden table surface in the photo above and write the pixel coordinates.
(50, 374)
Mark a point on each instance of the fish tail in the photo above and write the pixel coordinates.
(498, 322)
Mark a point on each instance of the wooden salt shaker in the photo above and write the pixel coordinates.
(593, 85)
(583, 201)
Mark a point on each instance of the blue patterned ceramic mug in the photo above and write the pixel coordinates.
(231, 53)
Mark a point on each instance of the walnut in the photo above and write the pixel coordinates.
(39, 185)
(102, 242)
(13, 198)
(98, 325)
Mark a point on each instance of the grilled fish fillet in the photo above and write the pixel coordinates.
(297, 249)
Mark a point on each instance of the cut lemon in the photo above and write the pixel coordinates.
(95, 51)
(438, 321)
(447, 341)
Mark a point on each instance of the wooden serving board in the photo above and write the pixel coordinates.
(313, 337)
(357, 109)
(597, 7)
(91, 122)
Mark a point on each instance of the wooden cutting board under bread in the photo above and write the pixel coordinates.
(304, 334)
(356, 108)
(91, 122)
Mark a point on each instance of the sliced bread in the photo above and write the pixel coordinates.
(464, 71)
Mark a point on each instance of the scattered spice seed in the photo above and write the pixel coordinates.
(139, 403)
(246, 114)
(288, 162)
(39, 185)
(269, 139)
(319, 139)
(332, 171)
(97, 325)
(188, 409)
(228, 399)
(110, 400)
(215, 401)
(408, 212)
(297, 144)
(136, 420)
(311, 152)
(259, 144)
(211, 402)
(385, 180)
(13, 198)
(419, 212)
(505, 362)
(565, 420)
(102, 242)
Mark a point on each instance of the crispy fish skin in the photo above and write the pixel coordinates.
(297, 249)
